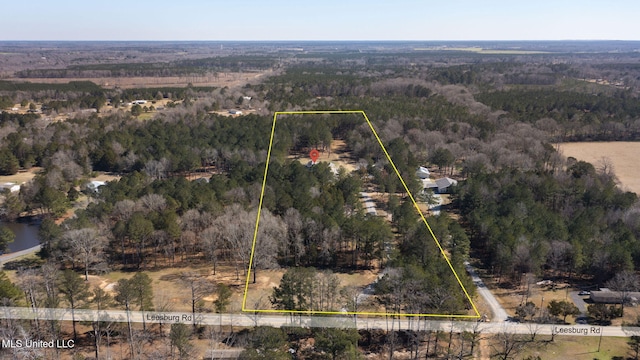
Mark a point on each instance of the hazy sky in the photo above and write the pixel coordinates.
(320, 20)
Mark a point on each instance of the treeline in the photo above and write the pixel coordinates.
(74, 94)
(159, 93)
(511, 72)
(300, 84)
(164, 69)
(71, 86)
(6, 102)
(578, 116)
(564, 223)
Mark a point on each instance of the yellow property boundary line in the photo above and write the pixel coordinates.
(424, 220)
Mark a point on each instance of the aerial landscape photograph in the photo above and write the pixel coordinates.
(326, 181)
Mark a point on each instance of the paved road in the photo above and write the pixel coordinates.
(278, 320)
(8, 257)
(499, 314)
(579, 301)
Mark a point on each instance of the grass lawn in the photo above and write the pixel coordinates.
(579, 348)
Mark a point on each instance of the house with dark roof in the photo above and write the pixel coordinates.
(444, 184)
(606, 296)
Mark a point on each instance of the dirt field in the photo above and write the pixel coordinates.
(623, 156)
(101, 176)
(338, 155)
(21, 177)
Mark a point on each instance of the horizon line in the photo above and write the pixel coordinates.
(315, 40)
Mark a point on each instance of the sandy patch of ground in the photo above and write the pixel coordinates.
(105, 177)
(622, 154)
(382, 203)
(339, 156)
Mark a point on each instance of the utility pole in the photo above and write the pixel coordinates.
(600, 341)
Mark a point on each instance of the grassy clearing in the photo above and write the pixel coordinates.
(267, 280)
(579, 348)
(510, 298)
(21, 177)
(338, 155)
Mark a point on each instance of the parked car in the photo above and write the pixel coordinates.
(584, 292)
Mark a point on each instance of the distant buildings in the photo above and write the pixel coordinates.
(439, 186)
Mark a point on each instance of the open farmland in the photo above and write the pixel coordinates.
(621, 154)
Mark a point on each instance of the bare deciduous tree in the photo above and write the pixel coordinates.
(212, 243)
(199, 287)
(86, 246)
(122, 210)
(152, 202)
(157, 170)
(65, 161)
(294, 245)
(559, 255)
(507, 345)
(270, 231)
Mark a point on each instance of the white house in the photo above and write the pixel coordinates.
(12, 187)
(95, 184)
(422, 173)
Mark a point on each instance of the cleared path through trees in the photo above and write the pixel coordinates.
(499, 314)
